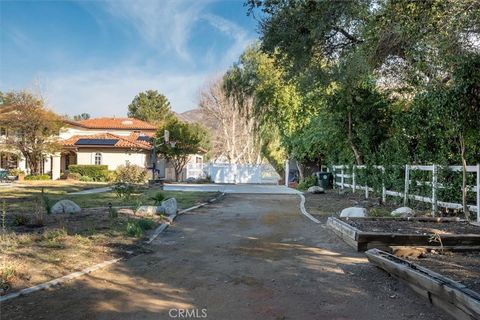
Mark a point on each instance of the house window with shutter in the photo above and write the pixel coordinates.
(98, 158)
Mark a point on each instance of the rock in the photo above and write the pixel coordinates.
(149, 210)
(65, 206)
(170, 206)
(403, 212)
(353, 212)
(315, 190)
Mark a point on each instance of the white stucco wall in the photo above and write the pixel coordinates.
(114, 158)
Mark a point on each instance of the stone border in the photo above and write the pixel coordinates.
(58, 281)
(451, 296)
(304, 211)
(101, 265)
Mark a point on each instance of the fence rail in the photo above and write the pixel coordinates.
(339, 172)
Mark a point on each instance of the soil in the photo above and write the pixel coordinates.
(247, 257)
(412, 226)
(463, 267)
(333, 201)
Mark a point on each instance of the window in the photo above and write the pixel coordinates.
(198, 159)
(127, 162)
(3, 131)
(98, 158)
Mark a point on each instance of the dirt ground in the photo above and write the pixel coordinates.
(413, 227)
(463, 267)
(247, 257)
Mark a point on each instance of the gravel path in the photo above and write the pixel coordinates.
(247, 257)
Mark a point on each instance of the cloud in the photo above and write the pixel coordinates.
(108, 92)
(165, 25)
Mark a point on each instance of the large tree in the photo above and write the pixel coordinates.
(150, 106)
(34, 127)
(185, 139)
(234, 138)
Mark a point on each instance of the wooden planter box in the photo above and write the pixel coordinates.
(451, 296)
(362, 241)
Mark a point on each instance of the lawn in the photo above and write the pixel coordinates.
(37, 247)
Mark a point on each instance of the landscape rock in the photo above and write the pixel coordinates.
(65, 206)
(316, 190)
(403, 212)
(170, 206)
(353, 212)
(149, 210)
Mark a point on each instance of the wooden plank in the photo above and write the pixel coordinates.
(443, 292)
(344, 231)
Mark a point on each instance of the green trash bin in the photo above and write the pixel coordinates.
(324, 179)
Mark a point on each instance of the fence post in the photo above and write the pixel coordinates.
(434, 189)
(366, 184)
(354, 183)
(407, 184)
(342, 180)
(478, 192)
(287, 171)
(384, 191)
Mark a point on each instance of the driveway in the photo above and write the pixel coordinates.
(233, 188)
(246, 257)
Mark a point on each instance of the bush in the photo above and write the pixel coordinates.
(46, 201)
(158, 198)
(136, 228)
(86, 179)
(74, 176)
(307, 183)
(16, 172)
(38, 177)
(123, 190)
(95, 172)
(130, 173)
(21, 220)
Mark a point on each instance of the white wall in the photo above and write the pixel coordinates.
(113, 158)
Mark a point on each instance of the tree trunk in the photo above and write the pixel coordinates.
(356, 152)
(300, 171)
(464, 180)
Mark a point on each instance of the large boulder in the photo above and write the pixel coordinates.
(170, 206)
(149, 210)
(403, 212)
(353, 212)
(65, 206)
(315, 190)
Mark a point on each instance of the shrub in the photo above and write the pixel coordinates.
(86, 179)
(74, 176)
(130, 173)
(47, 203)
(95, 172)
(307, 183)
(16, 172)
(123, 190)
(21, 220)
(158, 198)
(38, 177)
(136, 228)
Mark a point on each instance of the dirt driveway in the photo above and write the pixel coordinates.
(247, 257)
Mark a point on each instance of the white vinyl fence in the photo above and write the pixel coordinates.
(241, 173)
(348, 177)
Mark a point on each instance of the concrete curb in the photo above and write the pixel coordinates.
(304, 211)
(57, 281)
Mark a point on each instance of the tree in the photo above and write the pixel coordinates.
(150, 106)
(184, 140)
(82, 116)
(235, 138)
(35, 127)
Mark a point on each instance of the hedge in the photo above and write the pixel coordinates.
(96, 172)
(38, 177)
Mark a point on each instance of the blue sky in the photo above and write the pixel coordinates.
(94, 56)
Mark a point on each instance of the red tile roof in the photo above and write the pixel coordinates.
(123, 142)
(114, 123)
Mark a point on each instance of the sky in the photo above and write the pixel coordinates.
(95, 56)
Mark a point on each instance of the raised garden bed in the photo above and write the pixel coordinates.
(453, 297)
(367, 233)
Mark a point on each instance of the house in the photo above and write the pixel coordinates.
(102, 141)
